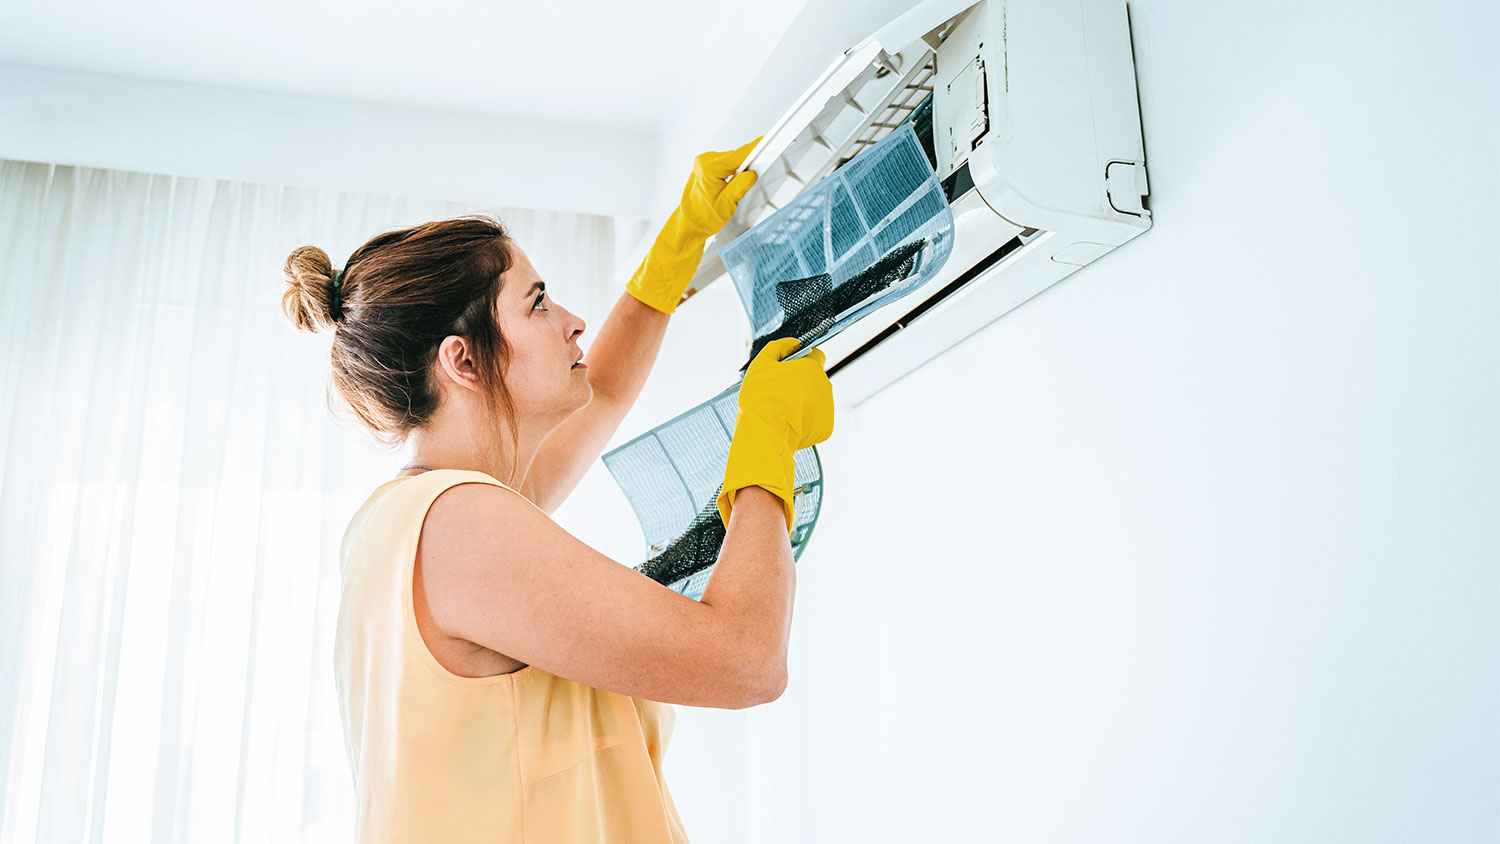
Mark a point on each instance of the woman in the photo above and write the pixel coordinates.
(499, 679)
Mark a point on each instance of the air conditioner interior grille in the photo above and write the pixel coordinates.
(908, 99)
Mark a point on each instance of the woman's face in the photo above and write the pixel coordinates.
(543, 343)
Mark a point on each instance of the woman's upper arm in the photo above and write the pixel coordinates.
(500, 573)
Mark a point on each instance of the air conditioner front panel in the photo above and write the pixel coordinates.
(1060, 83)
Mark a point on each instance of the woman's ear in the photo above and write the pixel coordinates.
(456, 364)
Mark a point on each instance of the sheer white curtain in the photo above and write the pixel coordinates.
(172, 493)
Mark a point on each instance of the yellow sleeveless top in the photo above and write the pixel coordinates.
(521, 757)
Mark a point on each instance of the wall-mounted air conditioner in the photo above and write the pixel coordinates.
(1027, 110)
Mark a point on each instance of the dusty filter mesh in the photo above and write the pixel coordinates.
(812, 306)
(695, 550)
(873, 231)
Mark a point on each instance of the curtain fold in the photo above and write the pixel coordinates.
(173, 490)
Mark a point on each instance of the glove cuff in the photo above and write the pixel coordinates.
(668, 268)
(759, 456)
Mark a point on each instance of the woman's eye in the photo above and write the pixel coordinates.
(538, 301)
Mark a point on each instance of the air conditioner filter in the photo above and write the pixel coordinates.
(873, 231)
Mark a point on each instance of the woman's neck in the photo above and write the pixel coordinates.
(426, 456)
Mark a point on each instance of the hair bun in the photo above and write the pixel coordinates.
(309, 300)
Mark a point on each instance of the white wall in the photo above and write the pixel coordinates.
(126, 123)
(1201, 544)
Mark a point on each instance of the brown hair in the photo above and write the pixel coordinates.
(400, 294)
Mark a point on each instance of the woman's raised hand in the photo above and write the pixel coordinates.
(712, 194)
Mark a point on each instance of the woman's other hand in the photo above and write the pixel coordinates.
(715, 189)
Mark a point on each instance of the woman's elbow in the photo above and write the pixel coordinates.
(773, 687)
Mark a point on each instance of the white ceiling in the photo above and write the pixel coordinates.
(589, 62)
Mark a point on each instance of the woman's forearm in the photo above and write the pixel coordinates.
(622, 354)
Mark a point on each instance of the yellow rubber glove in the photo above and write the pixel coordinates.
(784, 406)
(708, 202)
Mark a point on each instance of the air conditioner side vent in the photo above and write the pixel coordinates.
(958, 184)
